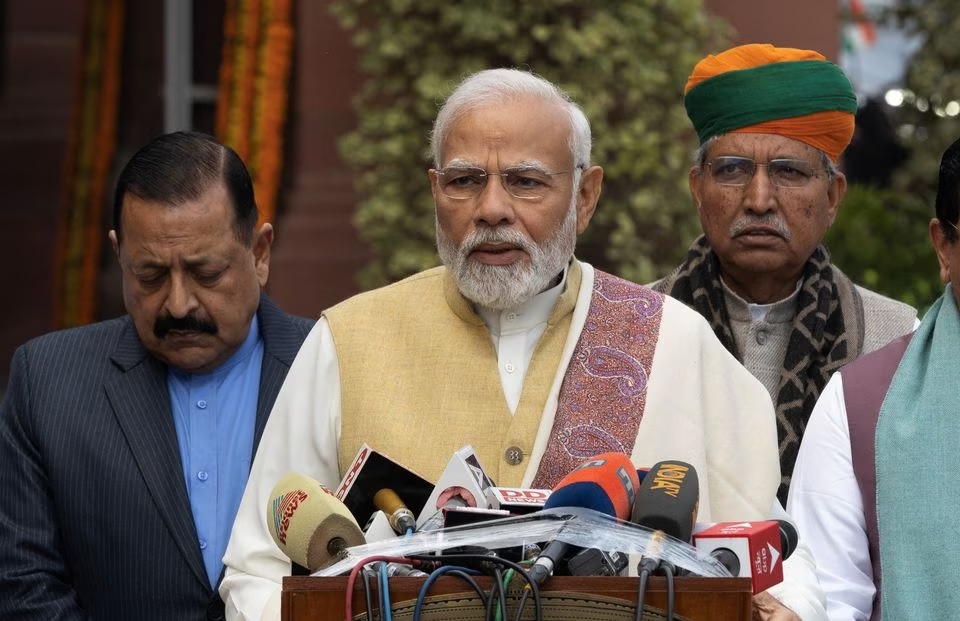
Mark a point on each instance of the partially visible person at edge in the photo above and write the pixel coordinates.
(536, 359)
(772, 124)
(125, 445)
(874, 484)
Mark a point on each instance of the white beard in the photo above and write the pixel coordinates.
(500, 287)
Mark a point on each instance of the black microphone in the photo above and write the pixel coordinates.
(789, 538)
(596, 562)
(667, 501)
(605, 483)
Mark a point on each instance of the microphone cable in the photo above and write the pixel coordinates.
(368, 575)
(523, 602)
(386, 613)
(352, 579)
(486, 559)
(497, 603)
(643, 575)
(466, 573)
(647, 567)
(668, 571)
(504, 584)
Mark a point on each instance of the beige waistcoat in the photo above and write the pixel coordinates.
(419, 392)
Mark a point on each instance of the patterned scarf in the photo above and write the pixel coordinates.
(827, 333)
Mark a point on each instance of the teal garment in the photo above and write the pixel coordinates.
(917, 467)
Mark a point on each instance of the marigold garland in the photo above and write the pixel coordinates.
(252, 101)
(90, 148)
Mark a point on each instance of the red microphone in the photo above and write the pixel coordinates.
(752, 550)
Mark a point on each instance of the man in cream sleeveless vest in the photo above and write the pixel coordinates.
(513, 346)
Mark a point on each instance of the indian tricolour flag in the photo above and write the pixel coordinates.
(859, 33)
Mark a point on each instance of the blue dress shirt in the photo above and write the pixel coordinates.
(214, 414)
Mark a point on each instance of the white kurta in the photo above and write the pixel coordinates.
(702, 406)
(827, 507)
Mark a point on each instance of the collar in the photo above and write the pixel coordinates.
(533, 312)
(781, 311)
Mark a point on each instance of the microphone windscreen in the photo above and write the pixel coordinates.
(308, 523)
(788, 538)
(668, 499)
(606, 483)
(400, 517)
(387, 501)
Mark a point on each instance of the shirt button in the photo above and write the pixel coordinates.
(762, 336)
(202, 475)
(509, 368)
(202, 404)
(511, 316)
(514, 455)
(203, 544)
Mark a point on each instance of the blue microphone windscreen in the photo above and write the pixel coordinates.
(584, 494)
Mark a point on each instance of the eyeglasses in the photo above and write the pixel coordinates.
(783, 173)
(466, 182)
(952, 225)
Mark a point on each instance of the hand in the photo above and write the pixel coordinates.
(767, 608)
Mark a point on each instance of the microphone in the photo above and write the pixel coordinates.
(308, 523)
(752, 550)
(372, 471)
(594, 562)
(403, 570)
(463, 483)
(400, 517)
(667, 501)
(518, 500)
(789, 537)
(606, 483)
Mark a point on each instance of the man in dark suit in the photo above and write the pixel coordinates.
(125, 445)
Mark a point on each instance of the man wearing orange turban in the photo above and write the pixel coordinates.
(772, 124)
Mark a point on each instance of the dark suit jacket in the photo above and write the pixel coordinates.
(95, 521)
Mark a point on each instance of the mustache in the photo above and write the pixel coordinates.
(772, 220)
(495, 235)
(190, 323)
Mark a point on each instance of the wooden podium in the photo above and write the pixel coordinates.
(697, 599)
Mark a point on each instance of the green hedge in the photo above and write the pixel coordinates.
(625, 62)
(880, 240)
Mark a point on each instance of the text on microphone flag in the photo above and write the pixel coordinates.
(283, 509)
(669, 477)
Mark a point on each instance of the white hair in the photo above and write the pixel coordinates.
(496, 86)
